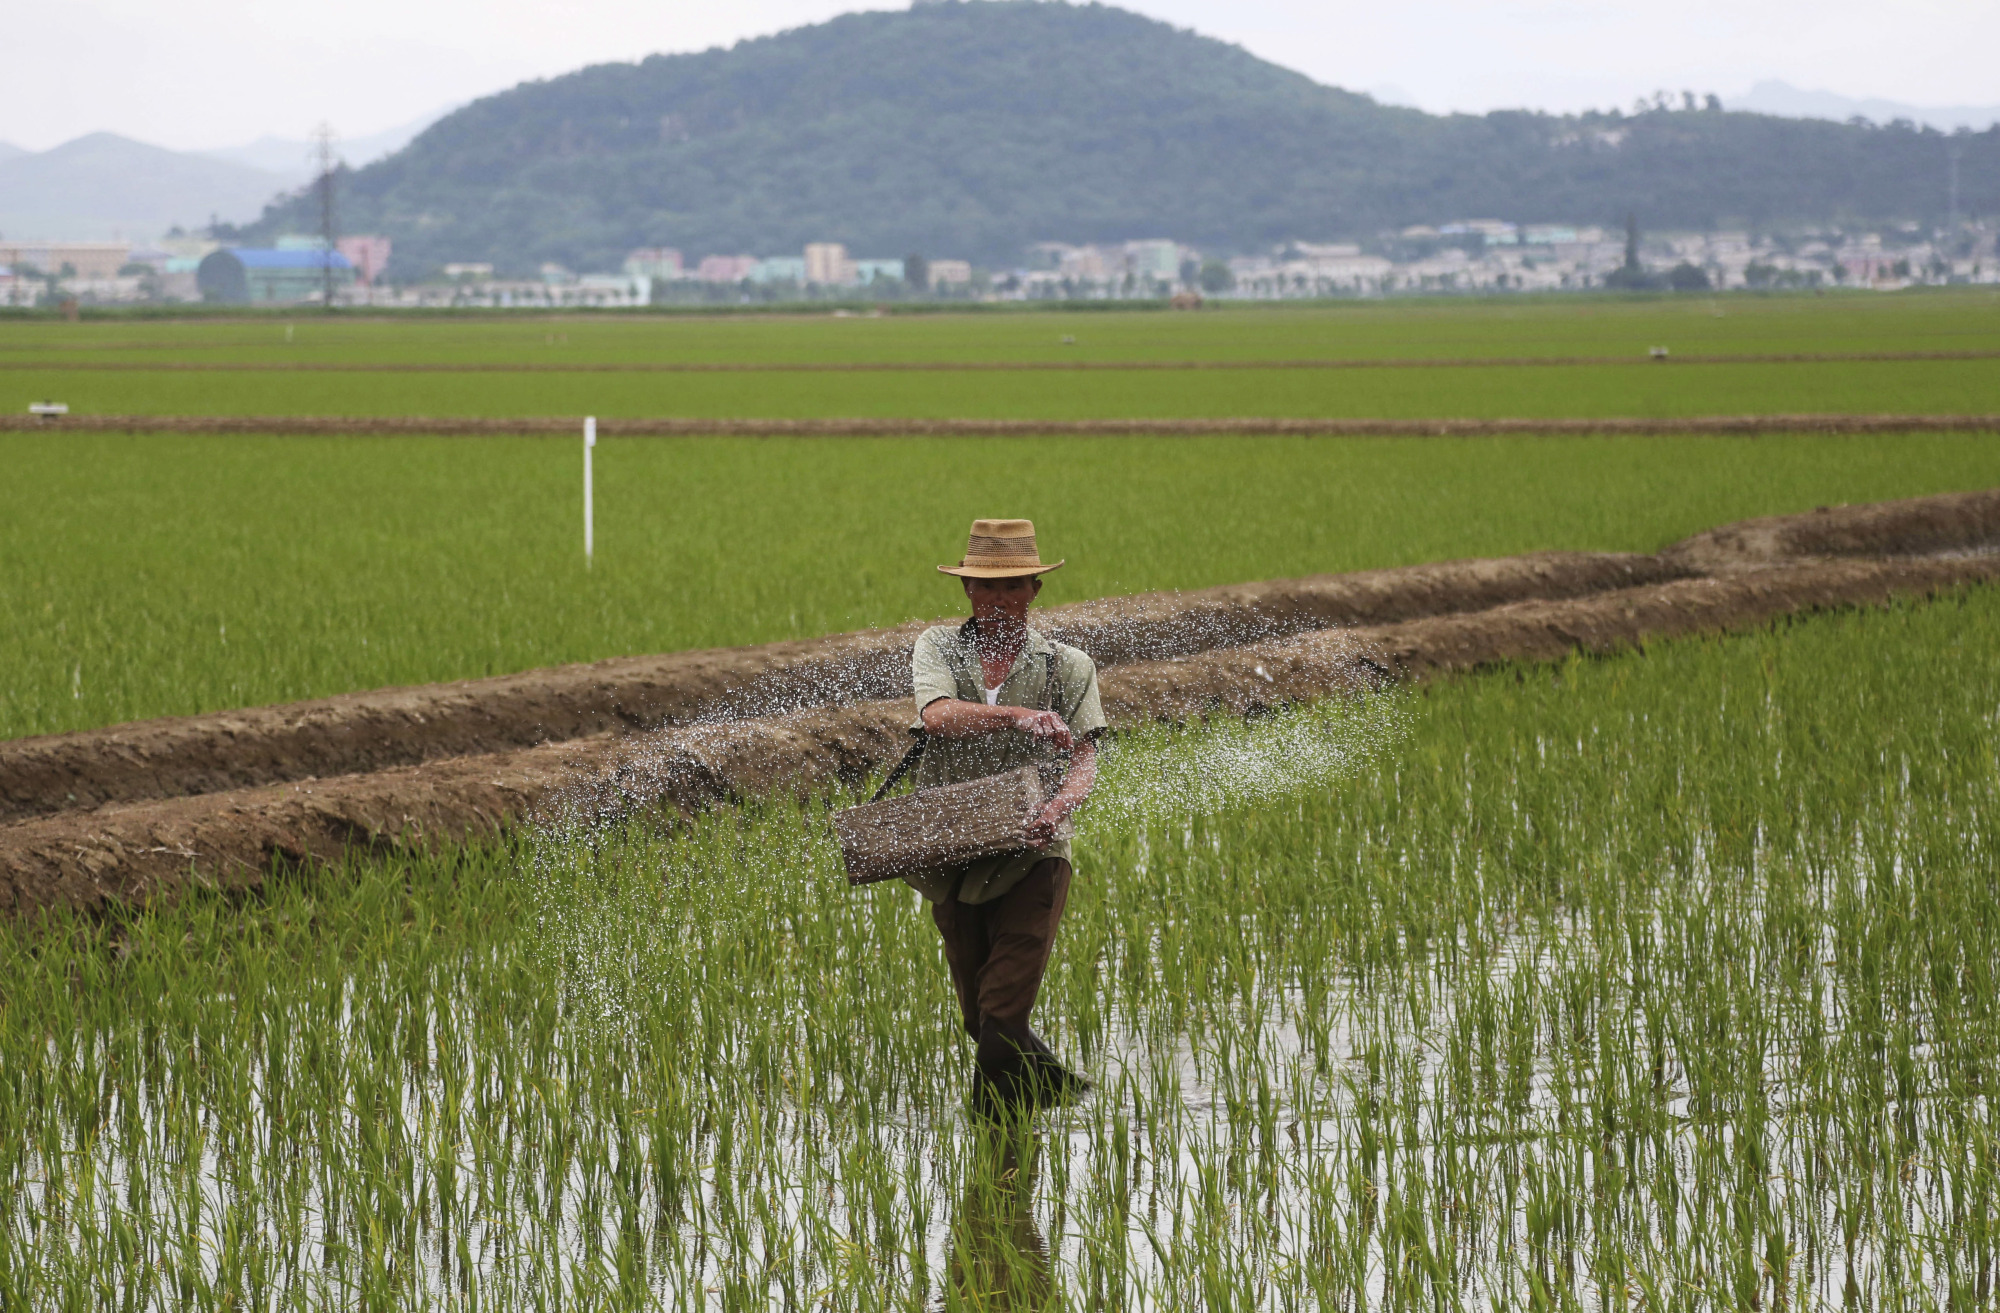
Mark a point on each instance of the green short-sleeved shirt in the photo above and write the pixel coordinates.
(946, 665)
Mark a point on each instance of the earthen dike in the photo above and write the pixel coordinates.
(148, 810)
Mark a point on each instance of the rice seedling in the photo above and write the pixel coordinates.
(1662, 981)
(1470, 392)
(1402, 328)
(151, 576)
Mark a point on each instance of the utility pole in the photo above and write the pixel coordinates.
(323, 156)
(1951, 157)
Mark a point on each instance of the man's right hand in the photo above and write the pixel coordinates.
(955, 718)
(1045, 726)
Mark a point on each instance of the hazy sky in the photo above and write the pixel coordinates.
(211, 73)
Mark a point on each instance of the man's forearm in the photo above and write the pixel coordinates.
(954, 718)
(1077, 780)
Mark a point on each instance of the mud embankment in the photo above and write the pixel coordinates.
(892, 427)
(154, 848)
(406, 726)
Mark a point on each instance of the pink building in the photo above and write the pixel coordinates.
(725, 268)
(368, 255)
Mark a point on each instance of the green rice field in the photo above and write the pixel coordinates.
(1655, 982)
(1663, 981)
(164, 575)
(100, 366)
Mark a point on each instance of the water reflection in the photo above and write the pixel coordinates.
(999, 1259)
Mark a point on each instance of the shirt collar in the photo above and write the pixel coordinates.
(968, 634)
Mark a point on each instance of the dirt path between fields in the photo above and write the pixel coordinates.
(964, 366)
(1234, 651)
(381, 728)
(471, 426)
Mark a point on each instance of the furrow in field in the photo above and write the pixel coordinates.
(153, 849)
(961, 366)
(862, 426)
(404, 726)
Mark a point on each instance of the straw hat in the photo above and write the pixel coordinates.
(1000, 549)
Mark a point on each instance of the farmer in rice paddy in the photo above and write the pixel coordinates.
(994, 695)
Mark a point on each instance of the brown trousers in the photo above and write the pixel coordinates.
(997, 951)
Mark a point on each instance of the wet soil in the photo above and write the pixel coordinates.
(1226, 651)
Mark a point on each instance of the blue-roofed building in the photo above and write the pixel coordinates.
(238, 275)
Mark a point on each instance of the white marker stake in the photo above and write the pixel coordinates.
(589, 441)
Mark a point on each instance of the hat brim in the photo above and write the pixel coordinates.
(999, 571)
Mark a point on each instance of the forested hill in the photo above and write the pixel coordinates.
(970, 129)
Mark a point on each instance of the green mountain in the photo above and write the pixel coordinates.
(971, 129)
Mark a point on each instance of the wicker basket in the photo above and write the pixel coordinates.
(939, 828)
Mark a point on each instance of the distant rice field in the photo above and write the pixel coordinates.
(33, 357)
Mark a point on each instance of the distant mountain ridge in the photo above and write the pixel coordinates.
(291, 158)
(103, 187)
(1775, 97)
(972, 129)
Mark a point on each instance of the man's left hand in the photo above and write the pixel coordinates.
(1043, 829)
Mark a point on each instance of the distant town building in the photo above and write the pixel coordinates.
(236, 275)
(1158, 260)
(18, 289)
(661, 262)
(827, 264)
(609, 290)
(1495, 231)
(725, 268)
(780, 269)
(871, 271)
(1546, 234)
(1325, 250)
(475, 270)
(83, 259)
(369, 255)
(950, 273)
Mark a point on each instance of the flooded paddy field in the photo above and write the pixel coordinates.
(1660, 979)
(1654, 981)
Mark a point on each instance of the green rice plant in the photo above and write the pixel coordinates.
(1661, 980)
(487, 351)
(1447, 327)
(1639, 389)
(150, 576)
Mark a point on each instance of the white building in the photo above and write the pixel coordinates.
(950, 273)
